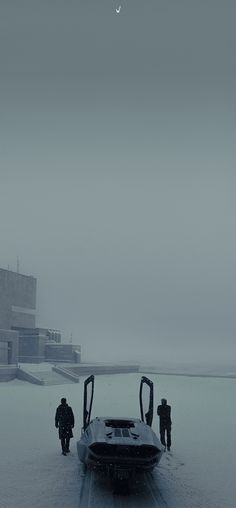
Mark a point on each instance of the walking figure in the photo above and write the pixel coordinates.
(64, 421)
(164, 413)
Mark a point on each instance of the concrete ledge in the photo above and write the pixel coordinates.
(189, 372)
(26, 376)
(66, 373)
(8, 372)
(31, 359)
(84, 369)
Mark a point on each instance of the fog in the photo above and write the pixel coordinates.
(118, 182)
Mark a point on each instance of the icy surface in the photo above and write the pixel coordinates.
(199, 472)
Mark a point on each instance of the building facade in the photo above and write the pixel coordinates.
(33, 342)
(17, 308)
(20, 340)
(9, 347)
(17, 300)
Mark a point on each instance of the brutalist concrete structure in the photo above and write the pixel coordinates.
(17, 300)
(17, 308)
(56, 353)
(31, 347)
(20, 340)
(33, 341)
(9, 342)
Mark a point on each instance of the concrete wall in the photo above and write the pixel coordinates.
(3, 353)
(61, 353)
(51, 334)
(87, 369)
(32, 348)
(9, 342)
(8, 372)
(17, 299)
(22, 319)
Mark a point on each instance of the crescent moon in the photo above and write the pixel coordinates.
(118, 9)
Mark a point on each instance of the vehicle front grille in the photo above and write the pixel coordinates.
(129, 451)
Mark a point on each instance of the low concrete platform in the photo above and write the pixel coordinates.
(84, 369)
(48, 374)
(8, 372)
(191, 370)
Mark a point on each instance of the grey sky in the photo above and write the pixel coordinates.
(117, 163)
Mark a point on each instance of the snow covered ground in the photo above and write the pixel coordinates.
(199, 473)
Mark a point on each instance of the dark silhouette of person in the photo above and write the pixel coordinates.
(64, 422)
(164, 413)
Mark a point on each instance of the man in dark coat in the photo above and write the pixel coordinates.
(64, 421)
(164, 413)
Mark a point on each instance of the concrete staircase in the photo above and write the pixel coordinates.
(53, 378)
(45, 374)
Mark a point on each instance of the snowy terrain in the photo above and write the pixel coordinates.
(199, 472)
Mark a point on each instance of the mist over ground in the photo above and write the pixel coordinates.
(118, 173)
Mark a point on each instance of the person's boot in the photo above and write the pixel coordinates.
(68, 447)
(63, 447)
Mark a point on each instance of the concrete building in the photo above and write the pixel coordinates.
(66, 353)
(20, 340)
(17, 300)
(17, 308)
(33, 342)
(9, 343)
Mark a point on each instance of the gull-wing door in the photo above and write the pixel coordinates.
(88, 400)
(148, 416)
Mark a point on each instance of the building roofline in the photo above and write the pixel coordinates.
(17, 273)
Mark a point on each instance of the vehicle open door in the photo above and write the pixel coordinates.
(88, 400)
(148, 416)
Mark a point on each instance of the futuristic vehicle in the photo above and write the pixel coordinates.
(120, 446)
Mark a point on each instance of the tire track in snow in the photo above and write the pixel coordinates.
(155, 492)
(97, 491)
(86, 489)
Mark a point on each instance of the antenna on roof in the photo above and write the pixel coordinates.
(18, 265)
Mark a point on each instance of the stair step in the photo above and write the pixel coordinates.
(51, 377)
